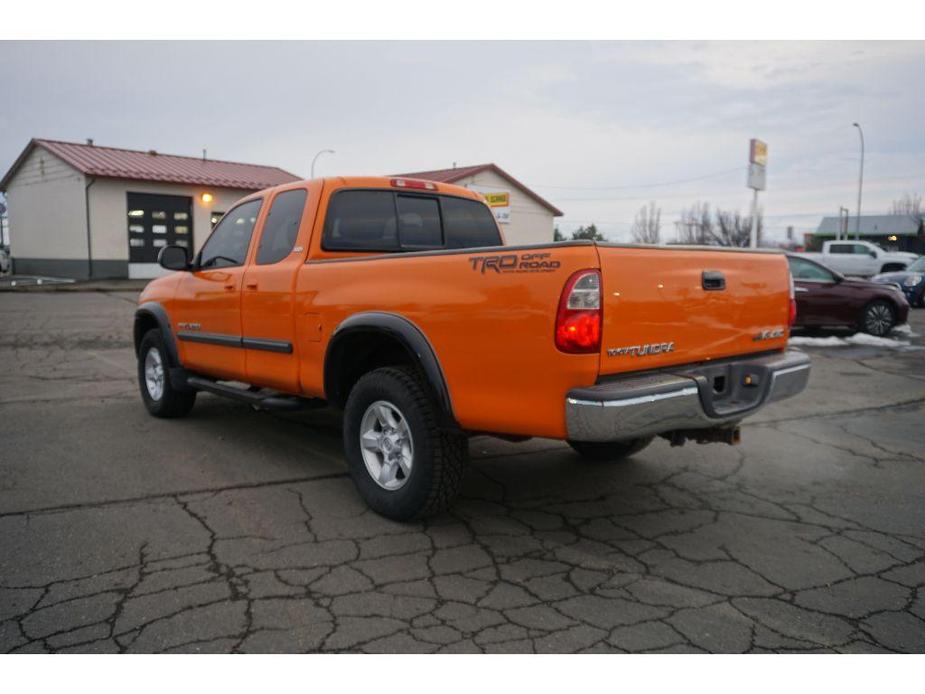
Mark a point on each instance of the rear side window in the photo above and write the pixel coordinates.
(805, 270)
(381, 220)
(841, 248)
(361, 220)
(281, 227)
(468, 224)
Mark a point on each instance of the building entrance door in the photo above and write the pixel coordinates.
(155, 221)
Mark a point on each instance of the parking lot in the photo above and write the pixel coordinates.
(236, 530)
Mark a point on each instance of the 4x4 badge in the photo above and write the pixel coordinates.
(770, 334)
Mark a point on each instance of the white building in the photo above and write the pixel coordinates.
(525, 217)
(78, 210)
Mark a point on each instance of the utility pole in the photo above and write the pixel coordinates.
(857, 221)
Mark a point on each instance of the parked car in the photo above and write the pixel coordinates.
(396, 301)
(860, 258)
(828, 299)
(911, 281)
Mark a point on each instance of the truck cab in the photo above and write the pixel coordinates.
(863, 258)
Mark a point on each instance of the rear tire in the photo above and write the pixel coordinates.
(609, 451)
(878, 318)
(401, 461)
(157, 393)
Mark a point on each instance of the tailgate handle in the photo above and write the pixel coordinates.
(713, 281)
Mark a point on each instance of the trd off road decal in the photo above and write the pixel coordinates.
(512, 262)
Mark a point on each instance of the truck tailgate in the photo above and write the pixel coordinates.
(666, 306)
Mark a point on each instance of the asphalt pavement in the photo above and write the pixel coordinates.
(236, 530)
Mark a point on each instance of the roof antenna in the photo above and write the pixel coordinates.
(203, 153)
(454, 164)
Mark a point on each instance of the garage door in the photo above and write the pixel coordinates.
(155, 221)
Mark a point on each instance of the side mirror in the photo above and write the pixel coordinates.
(174, 258)
(873, 254)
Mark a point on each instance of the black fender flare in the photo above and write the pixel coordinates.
(143, 314)
(406, 333)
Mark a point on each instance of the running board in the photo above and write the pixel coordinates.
(256, 398)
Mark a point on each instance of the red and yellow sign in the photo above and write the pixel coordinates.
(758, 153)
(498, 199)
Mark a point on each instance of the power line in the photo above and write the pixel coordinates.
(644, 185)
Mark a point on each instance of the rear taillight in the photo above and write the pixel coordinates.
(578, 320)
(792, 316)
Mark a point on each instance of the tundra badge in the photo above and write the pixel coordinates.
(641, 350)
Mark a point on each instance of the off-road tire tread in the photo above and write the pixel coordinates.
(450, 450)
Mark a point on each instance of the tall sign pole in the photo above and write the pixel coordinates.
(757, 180)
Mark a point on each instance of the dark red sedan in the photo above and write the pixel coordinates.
(827, 299)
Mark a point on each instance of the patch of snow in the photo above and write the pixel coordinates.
(818, 341)
(905, 330)
(862, 339)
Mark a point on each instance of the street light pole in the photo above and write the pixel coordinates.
(315, 158)
(857, 221)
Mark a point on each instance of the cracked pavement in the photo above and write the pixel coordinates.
(235, 530)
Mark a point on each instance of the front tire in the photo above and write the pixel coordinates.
(878, 318)
(402, 463)
(157, 393)
(609, 451)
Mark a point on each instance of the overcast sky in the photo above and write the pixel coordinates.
(593, 127)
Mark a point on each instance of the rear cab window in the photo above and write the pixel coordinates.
(389, 221)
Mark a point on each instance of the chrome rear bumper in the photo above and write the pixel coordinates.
(700, 397)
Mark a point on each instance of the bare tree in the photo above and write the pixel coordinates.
(647, 227)
(734, 229)
(695, 225)
(722, 228)
(909, 204)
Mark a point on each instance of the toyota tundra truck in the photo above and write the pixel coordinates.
(395, 301)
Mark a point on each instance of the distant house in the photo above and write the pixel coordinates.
(892, 232)
(80, 210)
(524, 216)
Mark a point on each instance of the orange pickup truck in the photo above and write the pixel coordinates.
(397, 301)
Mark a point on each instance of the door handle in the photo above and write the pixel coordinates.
(251, 285)
(229, 287)
(712, 280)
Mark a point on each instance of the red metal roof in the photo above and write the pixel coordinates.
(111, 162)
(461, 172)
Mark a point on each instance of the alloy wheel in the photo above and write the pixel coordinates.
(386, 445)
(154, 374)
